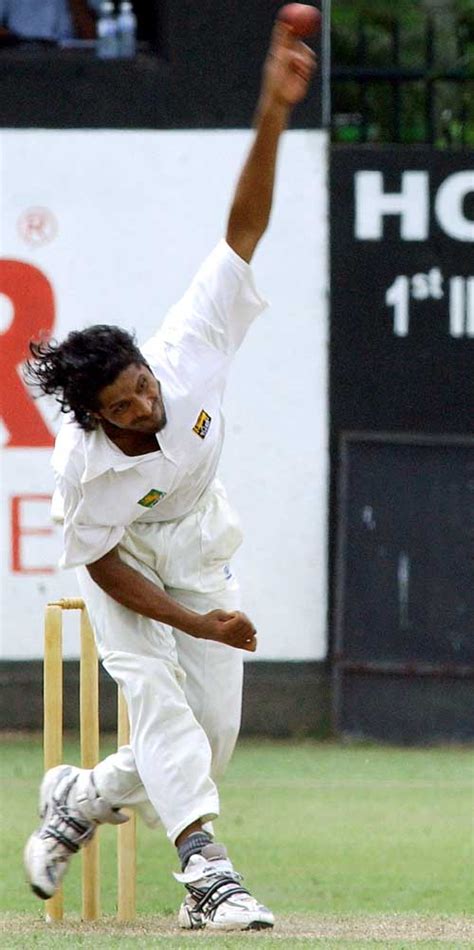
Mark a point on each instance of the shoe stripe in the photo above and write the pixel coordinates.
(51, 832)
(214, 896)
(75, 823)
(221, 898)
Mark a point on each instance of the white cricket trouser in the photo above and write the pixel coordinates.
(183, 695)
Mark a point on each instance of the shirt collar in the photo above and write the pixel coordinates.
(101, 455)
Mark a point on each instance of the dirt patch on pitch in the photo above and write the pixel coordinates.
(289, 930)
(386, 928)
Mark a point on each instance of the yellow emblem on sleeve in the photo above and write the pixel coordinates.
(152, 498)
(202, 424)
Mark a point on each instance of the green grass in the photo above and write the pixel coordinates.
(317, 828)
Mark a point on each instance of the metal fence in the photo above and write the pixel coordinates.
(393, 84)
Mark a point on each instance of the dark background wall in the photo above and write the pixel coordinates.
(302, 689)
(380, 381)
(200, 69)
(402, 487)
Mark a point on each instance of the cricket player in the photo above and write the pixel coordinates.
(151, 533)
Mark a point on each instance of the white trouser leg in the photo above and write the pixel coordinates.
(171, 753)
(183, 695)
(214, 674)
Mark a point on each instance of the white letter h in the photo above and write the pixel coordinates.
(372, 203)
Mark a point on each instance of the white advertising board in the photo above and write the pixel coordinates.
(109, 227)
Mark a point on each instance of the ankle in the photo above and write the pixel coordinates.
(193, 844)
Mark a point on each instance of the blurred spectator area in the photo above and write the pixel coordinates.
(70, 23)
(52, 77)
(198, 65)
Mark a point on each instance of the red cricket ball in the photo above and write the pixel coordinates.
(304, 19)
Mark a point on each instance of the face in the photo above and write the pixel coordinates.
(133, 401)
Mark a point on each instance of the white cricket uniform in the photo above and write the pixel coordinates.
(170, 517)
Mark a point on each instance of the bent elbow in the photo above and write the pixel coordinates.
(103, 570)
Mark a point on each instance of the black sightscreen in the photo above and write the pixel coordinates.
(405, 592)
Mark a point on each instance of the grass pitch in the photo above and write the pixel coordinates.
(351, 846)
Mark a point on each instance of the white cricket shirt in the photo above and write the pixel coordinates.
(102, 489)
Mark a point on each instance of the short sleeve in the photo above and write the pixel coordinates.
(84, 542)
(217, 309)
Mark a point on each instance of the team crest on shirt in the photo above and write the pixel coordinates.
(202, 424)
(151, 498)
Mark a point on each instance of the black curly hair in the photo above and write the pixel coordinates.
(75, 370)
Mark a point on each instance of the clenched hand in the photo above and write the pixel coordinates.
(289, 67)
(235, 629)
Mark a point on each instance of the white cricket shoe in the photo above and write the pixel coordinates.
(70, 810)
(216, 899)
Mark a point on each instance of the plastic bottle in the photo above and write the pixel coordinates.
(127, 30)
(107, 33)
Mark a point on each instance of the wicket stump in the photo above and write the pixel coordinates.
(89, 736)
